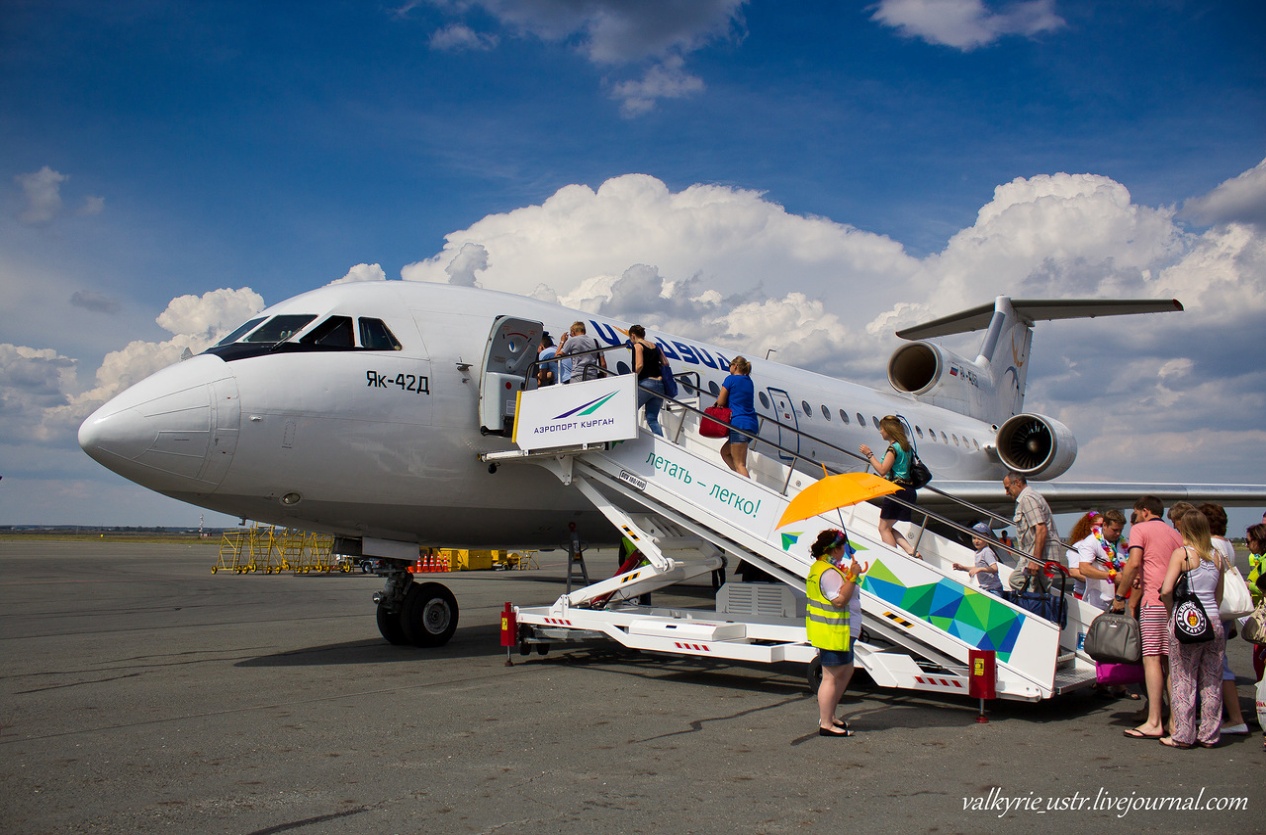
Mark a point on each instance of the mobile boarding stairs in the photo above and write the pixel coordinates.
(686, 511)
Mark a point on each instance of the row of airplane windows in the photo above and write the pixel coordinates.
(337, 332)
(714, 389)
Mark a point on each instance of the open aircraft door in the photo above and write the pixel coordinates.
(788, 423)
(507, 363)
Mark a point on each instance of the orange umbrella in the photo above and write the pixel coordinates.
(833, 492)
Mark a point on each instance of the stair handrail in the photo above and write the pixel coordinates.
(830, 467)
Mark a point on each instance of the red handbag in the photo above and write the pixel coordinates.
(708, 426)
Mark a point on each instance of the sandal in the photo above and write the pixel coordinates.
(840, 723)
(1168, 742)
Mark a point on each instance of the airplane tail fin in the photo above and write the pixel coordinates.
(991, 387)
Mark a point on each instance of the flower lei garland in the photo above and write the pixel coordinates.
(1116, 552)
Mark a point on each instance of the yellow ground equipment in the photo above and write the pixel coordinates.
(271, 550)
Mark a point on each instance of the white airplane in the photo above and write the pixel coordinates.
(362, 409)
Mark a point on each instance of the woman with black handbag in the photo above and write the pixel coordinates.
(894, 466)
(1192, 590)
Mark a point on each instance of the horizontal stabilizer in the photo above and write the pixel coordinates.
(1040, 310)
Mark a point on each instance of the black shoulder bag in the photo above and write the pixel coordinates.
(1191, 622)
(919, 473)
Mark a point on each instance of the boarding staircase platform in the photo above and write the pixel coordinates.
(690, 515)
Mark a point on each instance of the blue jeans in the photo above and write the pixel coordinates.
(650, 394)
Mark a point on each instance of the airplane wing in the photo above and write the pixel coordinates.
(1078, 496)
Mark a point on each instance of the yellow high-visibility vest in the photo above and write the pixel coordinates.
(826, 625)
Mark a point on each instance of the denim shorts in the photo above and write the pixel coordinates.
(835, 657)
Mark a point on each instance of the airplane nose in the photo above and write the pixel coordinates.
(174, 432)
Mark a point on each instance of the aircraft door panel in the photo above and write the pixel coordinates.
(508, 359)
(226, 418)
(788, 422)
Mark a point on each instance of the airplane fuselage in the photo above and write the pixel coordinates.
(385, 443)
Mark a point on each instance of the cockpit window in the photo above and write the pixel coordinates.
(240, 332)
(262, 336)
(334, 332)
(280, 328)
(375, 336)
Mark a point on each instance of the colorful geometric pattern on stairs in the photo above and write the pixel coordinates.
(980, 619)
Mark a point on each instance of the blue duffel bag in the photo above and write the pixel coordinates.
(1052, 607)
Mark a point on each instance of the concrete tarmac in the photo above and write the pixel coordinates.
(143, 694)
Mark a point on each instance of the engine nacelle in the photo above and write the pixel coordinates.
(1036, 445)
(915, 368)
(942, 378)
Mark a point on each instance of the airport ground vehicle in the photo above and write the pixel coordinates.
(922, 619)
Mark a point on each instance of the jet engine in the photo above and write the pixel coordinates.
(915, 368)
(942, 378)
(1036, 445)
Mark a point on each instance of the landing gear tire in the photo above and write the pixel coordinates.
(429, 615)
(814, 675)
(389, 626)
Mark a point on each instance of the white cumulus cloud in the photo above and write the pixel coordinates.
(362, 272)
(469, 260)
(1240, 199)
(211, 315)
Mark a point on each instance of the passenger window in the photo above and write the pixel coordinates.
(918, 431)
(713, 388)
(280, 328)
(826, 413)
(875, 421)
(955, 440)
(623, 368)
(808, 410)
(861, 421)
(240, 332)
(977, 443)
(932, 433)
(376, 336)
(944, 439)
(844, 416)
(764, 401)
(334, 332)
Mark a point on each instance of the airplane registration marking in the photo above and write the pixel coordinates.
(418, 383)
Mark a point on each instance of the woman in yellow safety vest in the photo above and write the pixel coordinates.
(826, 620)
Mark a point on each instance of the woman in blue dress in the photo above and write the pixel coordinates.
(739, 394)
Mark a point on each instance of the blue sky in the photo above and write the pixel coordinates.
(882, 163)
